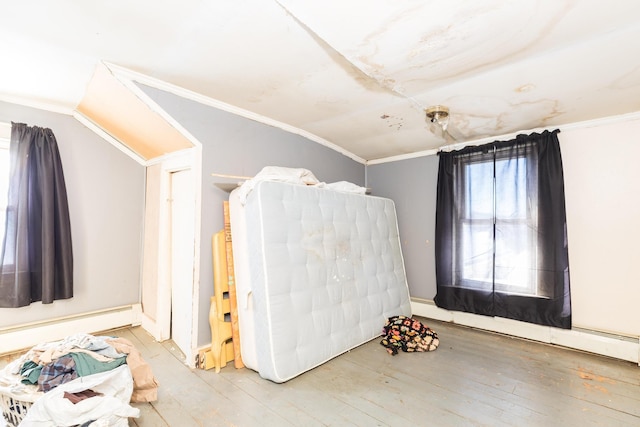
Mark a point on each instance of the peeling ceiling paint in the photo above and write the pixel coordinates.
(357, 74)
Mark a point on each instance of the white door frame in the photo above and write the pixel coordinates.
(182, 248)
(157, 270)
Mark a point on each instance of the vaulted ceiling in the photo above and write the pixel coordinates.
(357, 74)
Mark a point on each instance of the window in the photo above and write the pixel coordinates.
(487, 205)
(500, 239)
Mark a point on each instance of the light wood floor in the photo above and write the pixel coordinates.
(474, 378)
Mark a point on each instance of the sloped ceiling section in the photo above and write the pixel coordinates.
(357, 74)
(116, 110)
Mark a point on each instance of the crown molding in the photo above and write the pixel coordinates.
(40, 105)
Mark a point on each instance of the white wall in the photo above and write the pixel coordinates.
(105, 189)
(602, 186)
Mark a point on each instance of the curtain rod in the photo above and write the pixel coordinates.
(497, 141)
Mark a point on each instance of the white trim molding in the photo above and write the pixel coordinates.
(22, 337)
(126, 74)
(39, 104)
(605, 344)
(108, 137)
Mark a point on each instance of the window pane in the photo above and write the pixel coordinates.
(514, 264)
(479, 191)
(511, 188)
(477, 253)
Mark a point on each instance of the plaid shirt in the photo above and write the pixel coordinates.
(59, 371)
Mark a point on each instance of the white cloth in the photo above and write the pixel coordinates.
(294, 176)
(277, 173)
(83, 341)
(11, 382)
(344, 186)
(112, 408)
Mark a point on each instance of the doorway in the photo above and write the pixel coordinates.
(182, 258)
(170, 291)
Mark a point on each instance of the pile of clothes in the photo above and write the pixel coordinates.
(409, 335)
(80, 380)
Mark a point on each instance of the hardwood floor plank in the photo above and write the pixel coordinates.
(296, 401)
(374, 392)
(148, 416)
(274, 396)
(492, 381)
(474, 378)
(552, 371)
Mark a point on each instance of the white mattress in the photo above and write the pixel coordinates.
(317, 273)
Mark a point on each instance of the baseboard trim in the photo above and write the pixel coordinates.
(20, 337)
(151, 326)
(618, 347)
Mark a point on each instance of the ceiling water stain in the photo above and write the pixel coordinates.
(555, 111)
(525, 88)
(436, 38)
(365, 80)
(393, 122)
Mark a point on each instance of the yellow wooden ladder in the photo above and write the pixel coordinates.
(223, 313)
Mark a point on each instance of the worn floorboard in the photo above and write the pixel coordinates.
(475, 378)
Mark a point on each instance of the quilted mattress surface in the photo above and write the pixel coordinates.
(317, 273)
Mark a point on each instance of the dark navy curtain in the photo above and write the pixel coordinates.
(501, 235)
(36, 258)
